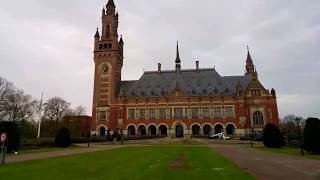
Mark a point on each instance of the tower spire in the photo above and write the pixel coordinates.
(250, 69)
(178, 60)
(111, 7)
(249, 60)
(97, 35)
(111, 3)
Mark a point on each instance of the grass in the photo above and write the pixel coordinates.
(289, 151)
(150, 162)
(46, 149)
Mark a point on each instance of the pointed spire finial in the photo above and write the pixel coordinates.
(97, 35)
(249, 60)
(110, 3)
(178, 61)
(121, 40)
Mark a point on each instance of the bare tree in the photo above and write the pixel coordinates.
(5, 88)
(56, 108)
(80, 111)
(14, 104)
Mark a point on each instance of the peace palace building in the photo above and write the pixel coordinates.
(174, 103)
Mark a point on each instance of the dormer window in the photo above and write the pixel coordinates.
(255, 92)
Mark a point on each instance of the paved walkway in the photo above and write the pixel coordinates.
(270, 166)
(44, 155)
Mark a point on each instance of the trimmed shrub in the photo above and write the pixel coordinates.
(63, 138)
(258, 137)
(41, 142)
(311, 135)
(272, 137)
(13, 135)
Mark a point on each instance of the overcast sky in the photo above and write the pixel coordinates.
(47, 45)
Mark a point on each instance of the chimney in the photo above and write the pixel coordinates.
(197, 65)
(159, 67)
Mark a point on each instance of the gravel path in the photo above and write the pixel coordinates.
(45, 155)
(270, 166)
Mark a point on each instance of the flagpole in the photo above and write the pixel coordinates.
(39, 116)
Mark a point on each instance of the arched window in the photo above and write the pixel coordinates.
(258, 118)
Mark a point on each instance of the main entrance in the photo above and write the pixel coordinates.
(179, 131)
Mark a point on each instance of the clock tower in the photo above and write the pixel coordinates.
(108, 59)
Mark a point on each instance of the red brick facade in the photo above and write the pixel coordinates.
(166, 102)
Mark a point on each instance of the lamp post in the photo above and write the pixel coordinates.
(298, 123)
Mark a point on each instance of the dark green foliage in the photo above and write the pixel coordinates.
(28, 129)
(13, 135)
(258, 137)
(311, 135)
(37, 143)
(272, 137)
(108, 137)
(85, 140)
(63, 138)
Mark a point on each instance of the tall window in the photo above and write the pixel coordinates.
(162, 113)
(206, 112)
(103, 115)
(152, 113)
(108, 31)
(131, 114)
(194, 112)
(258, 118)
(229, 111)
(178, 112)
(186, 112)
(217, 112)
(141, 113)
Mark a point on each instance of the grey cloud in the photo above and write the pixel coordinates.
(47, 45)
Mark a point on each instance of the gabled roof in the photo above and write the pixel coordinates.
(202, 82)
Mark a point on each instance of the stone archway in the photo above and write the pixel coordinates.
(230, 129)
(163, 130)
(218, 128)
(179, 131)
(102, 132)
(142, 130)
(131, 130)
(195, 130)
(152, 130)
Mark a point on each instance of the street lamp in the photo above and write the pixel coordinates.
(297, 120)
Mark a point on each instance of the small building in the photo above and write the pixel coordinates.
(79, 126)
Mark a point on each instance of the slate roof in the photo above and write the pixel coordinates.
(202, 82)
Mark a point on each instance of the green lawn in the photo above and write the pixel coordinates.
(289, 151)
(151, 162)
(48, 149)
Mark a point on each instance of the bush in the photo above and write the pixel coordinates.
(245, 138)
(127, 138)
(311, 135)
(258, 137)
(85, 140)
(41, 142)
(63, 138)
(13, 135)
(272, 137)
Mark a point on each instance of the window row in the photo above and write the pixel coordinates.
(255, 92)
(181, 112)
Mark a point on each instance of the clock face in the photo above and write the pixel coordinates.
(105, 68)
